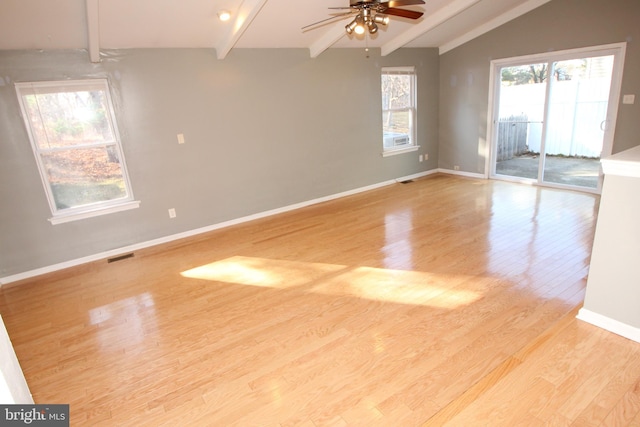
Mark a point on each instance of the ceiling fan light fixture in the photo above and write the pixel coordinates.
(351, 26)
(370, 13)
(224, 15)
(356, 26)
(361, 23)
(381, 19)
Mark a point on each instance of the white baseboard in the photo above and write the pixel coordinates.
(142, 245)
(462, 173)
(609, 324)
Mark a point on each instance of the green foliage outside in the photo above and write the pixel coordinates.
(68, 195)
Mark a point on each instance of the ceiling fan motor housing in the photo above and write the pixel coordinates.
(361, 2)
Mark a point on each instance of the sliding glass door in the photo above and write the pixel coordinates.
(576, 120)
(521, 109)
(553, 119)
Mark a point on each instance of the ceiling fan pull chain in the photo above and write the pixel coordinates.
(366, 45)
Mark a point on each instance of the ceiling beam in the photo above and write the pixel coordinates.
(247, 11)
(494, 23)
(430, 22)
(93, 29)
(335, 33)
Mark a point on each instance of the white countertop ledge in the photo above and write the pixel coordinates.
(624, 163)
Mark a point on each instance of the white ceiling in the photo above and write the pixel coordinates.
(109, 24)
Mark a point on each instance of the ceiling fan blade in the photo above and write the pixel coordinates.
(403, 13)
(336, 17)
(398, 3)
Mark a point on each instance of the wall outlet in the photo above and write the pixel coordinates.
(426, 156)
(180, 138)
(420, 157)
(628, 99)
(172, 213)
(456, 168)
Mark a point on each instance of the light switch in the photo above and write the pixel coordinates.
(180, 138)
(628, 99)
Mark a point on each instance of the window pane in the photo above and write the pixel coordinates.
(66, 119)
(398, 86)
(396, 122)
(396, 91)
(83, 176)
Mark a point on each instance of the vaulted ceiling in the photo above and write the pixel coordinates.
(116, 24)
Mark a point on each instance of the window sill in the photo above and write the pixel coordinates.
(60, 219)
(388, 153)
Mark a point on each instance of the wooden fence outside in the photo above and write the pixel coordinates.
(512, 137)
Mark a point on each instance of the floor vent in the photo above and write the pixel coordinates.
(120, 258)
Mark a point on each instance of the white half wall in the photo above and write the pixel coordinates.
(612, 298)
(13, 386)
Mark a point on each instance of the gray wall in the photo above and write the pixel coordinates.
(557, 25)
(264, 129)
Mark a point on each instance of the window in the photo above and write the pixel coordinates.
(398, 110)
(77, 148)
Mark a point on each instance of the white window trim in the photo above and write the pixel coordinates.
(393, 152)
(62, 218)
(97, 209)
(387, 152)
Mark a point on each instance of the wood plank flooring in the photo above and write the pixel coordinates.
(444, 301)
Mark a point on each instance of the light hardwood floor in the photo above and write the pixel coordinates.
(445, 301)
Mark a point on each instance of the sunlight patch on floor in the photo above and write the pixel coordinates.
(399, 286)
(385, 285)
(278, 274)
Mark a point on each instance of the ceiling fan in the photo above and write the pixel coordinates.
(370, 13)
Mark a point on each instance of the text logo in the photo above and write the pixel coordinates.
(34, 415)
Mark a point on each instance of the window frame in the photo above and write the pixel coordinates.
(412, 109)
(88, 210)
